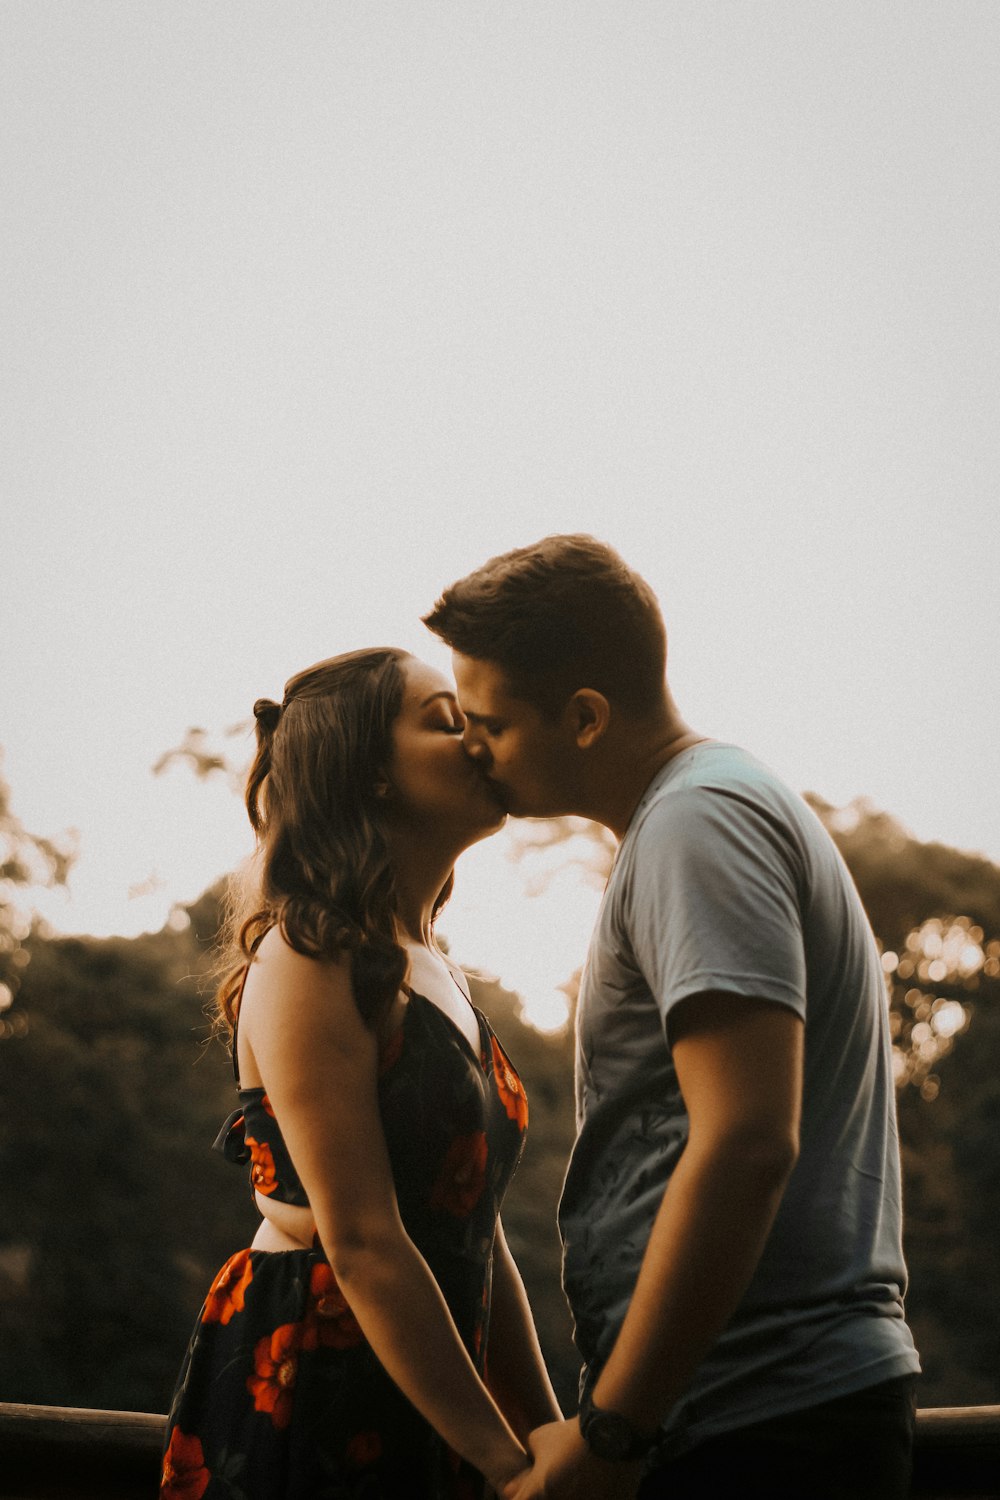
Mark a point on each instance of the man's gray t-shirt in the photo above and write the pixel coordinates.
(726, 881)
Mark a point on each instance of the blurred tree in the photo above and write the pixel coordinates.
(931, 908)
(117, 1214)
(545, 1064)
(27, 861)
(195, 751)
(936, 913)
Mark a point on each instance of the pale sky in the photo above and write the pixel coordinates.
(308, 308)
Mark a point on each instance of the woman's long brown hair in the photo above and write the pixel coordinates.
(322, 872)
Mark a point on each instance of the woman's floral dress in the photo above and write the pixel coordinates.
(280, 1397)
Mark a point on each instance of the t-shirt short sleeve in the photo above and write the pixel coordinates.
(711, 900)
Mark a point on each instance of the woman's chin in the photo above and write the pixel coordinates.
(495, 823)
(490, 824)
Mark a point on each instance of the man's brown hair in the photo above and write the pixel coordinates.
(563, 614)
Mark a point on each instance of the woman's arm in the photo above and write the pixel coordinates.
(515, 1369)
(319, 1064)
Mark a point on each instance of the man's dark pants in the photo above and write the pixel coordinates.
(857, 1447)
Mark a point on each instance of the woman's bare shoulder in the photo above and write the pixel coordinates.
(280, 977)
(276, 961)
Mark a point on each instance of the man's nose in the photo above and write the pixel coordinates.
(475, 746)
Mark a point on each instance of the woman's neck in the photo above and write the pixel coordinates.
(420, 875)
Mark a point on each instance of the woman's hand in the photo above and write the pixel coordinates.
(508, 1480)
(563, 1468)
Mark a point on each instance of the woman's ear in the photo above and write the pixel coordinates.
(590, 715)
(383, 788)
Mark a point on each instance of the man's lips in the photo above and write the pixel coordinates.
(497, 789)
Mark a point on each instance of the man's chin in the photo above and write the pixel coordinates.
(500, 795)
(514, 806)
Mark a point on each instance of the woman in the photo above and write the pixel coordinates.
(344, 1352)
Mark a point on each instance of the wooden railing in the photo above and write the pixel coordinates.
(957, 1453)
(74, 1453)
(69, 1453)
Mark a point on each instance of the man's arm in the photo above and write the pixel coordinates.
(739, 1066)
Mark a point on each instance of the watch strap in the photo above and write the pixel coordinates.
(611, 1436)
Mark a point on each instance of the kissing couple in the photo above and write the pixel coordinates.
(730, 1217)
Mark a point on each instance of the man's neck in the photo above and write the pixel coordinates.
(622, 778)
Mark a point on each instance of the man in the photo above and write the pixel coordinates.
(731, 1212)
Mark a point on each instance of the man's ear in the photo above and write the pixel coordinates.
(590, 715)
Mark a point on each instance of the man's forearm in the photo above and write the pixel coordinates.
(705, 1244)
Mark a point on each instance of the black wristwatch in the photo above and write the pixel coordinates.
(611, 1436)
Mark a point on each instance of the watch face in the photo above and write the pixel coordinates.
(609, 1436)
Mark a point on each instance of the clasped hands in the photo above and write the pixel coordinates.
(564, 1468)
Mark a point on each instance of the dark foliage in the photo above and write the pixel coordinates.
(116, 1214)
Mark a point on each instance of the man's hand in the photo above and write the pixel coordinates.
(564, 1468)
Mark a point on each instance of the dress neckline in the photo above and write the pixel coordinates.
(481, 1022)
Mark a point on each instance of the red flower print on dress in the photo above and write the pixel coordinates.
(276, 1364)
(184, 1474)
(462, 1176)
(509, 1087)
(226, 1294)
(263, 1173)
(364, 1448)
(329, 1322)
